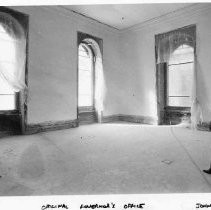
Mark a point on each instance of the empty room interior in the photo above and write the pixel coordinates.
(105, 99)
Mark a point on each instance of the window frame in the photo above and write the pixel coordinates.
(88, 115)
(167, 106)
(92, 107)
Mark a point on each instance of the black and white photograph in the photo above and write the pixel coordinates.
(105, 99)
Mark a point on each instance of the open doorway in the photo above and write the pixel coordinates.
(90, 82)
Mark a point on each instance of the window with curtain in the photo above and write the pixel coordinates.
(176, 49)
(7, 59)
(175, 53)
(180, 76)
(85, 76)
(12, 61)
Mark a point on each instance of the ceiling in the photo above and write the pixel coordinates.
(123, 16)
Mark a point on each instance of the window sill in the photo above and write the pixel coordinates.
(9, 112)
(178, 109)
(86, 109)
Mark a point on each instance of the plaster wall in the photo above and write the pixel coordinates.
(138, 60)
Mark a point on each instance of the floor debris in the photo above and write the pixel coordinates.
(167, 161)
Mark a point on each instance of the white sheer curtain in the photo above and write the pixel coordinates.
(100, 87)
(13, 53)
(196, 110)
(166, 44)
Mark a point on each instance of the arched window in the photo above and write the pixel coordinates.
(13, 36)
(180, 76)
(7, 60)
(85, 76)
(12, 60)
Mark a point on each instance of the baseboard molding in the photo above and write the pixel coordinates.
(138, 119)
(130, 118)
(204, 126)
(110, 118)
(59, 125)
(50, 126)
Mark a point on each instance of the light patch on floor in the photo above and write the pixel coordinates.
(106, 159)
(31, 165)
